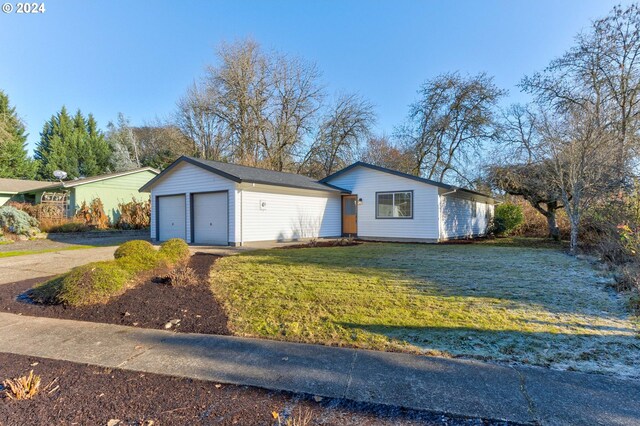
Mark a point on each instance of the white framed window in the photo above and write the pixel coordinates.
(474, 209)
(394, 205)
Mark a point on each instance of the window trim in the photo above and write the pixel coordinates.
(410, 191)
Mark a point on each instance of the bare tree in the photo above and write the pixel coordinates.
(381, 151)
(517, 169)
(197, 119)
(535, 183)
(161, 143)
(452, 119)
(601, 76)
(583, 168)
(290, 112)
(253, 107)
(344, 127)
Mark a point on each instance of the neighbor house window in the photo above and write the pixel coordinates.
(391, 205)
(474, 208)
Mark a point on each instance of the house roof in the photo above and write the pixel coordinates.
(239, 174)
(83, 181)
(404, 175)
(16, 186)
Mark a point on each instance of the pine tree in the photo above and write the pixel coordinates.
(14, 160)
(73, 144)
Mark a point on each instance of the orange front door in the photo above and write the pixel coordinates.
(350, 215)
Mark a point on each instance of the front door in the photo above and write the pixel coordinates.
(350, 215)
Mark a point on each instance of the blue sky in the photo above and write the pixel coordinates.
(138, 57)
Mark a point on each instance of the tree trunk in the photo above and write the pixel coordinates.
(554, 231)
(573, 246)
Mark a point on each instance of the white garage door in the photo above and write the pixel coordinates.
(210, 218)
(172, 217)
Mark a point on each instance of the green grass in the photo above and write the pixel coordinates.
(488, 301)
(25, 252)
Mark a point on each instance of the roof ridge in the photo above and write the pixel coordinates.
(252, 167)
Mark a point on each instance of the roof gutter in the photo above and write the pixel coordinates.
(450, 192)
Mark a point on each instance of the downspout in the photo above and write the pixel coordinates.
(241, 218)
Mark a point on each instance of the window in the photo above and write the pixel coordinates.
(398, 205)
(474, 208)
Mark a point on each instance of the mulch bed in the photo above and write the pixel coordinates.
(88, 395)
(151, 304)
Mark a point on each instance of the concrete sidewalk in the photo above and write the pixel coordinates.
(469, 388)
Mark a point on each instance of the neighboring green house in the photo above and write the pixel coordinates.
(112, 189)
(14, 188)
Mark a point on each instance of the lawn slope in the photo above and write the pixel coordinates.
(536, 306)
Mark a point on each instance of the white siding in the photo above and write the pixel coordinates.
(365, 182)
(186, 179)
(456, 215)
(288, 213)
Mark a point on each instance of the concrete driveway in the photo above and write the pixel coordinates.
(24, 267)
(19, 268)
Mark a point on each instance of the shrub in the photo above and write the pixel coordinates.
(134, 214)
(182, 276)
(175, 251)
(17, 221)
(535, 224)
(25, 387)
(628, 277)
(70, 226)
(47, 292)
(92, 283)
(138, 255)
(507, 218)
(93, 214)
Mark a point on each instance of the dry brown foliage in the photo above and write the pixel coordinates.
(25, 387)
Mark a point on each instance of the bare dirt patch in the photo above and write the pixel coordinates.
(86, 395)
(151, 304)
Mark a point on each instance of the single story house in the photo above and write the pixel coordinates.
(112, 189)
(11, 189)
(215, 203)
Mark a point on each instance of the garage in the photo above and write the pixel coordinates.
(171, 217)
(210, 218)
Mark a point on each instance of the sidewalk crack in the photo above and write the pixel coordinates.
(531, 407)
(134, 356)
(351, 368)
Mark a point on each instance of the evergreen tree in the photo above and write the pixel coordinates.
(14, 161)
(73, 144)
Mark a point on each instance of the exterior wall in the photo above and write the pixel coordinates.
(4, 198)
(186, 179)
(456, 216)
(111, 192)
(365, 182)
(288, 214)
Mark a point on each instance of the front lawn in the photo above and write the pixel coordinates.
(528, 305)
